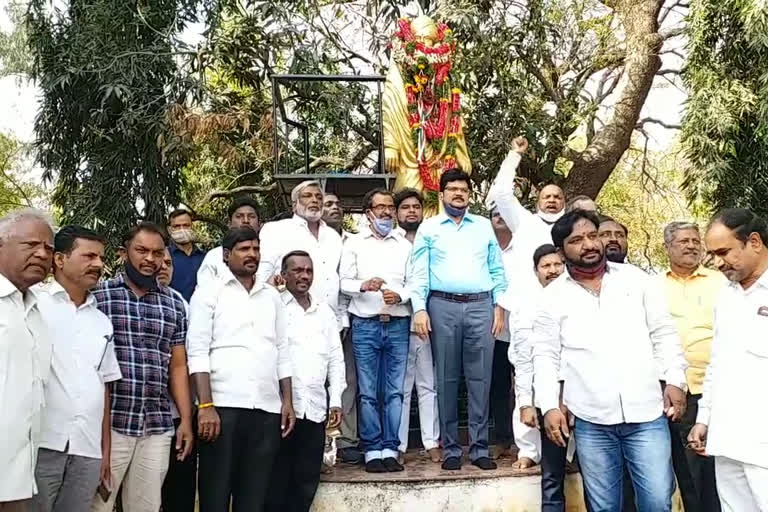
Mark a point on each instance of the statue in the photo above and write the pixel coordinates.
(423, 132)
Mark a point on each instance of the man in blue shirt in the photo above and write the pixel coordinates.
(187, 257)
(457, 277)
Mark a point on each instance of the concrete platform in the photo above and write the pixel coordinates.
(425, 487)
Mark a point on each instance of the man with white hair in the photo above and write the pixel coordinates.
(305, 231)
(26, 255)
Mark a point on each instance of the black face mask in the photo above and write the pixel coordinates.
(139, 279)
(409, 226)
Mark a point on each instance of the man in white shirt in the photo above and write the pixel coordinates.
(305, 231)
(548, 265)
(738, 241)
(242, 212)
(317, 358)
(26, 251)
(419, 368)
(240, 362)
(75, 439)
(373, 269)
(610, 326)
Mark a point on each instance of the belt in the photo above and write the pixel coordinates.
(384, 319)
(461, 297)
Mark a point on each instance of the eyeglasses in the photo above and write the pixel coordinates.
(381, 208)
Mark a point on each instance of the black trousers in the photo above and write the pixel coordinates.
(238, 464)
(552, 473)
(501, 395)
(296, 472)
(695, 474)
(180, 485)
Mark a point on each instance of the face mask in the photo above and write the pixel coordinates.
(409, 226)
(183, 236)
(452, 211)
(139, 279)
(382, 226)
(550, 218)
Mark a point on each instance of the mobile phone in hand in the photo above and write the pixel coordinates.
(103, 492)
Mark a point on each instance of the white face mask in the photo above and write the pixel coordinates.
(307, 214)
(183, 236)
(550, 218)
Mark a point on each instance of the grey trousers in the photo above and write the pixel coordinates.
(461, 338)
(349, 437)
(66, 483)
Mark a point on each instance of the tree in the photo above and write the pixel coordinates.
(107, 74)
(725, 127)
(17, 189)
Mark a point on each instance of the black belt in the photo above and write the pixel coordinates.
(462, 297)
(385, 319)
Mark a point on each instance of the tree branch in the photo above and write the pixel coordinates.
(672, 32)
(659, 122)
(216, 194)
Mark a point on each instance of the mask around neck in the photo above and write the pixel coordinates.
(550, 218)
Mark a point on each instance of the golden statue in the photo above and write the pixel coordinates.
(423, 132)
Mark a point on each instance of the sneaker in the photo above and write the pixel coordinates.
(484, 463)
(392, 465)
(375, 466)
(452, 464)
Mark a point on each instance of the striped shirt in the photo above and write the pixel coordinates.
(145, 330)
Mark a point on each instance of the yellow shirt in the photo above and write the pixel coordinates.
(691, 303)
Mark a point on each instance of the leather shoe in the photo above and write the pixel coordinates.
(452, 464)
(484, 463)
(375, 466)
(392, 465)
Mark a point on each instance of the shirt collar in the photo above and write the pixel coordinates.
(443, 217)
(301, 221)
(55, 289)
(288, 298)
(395, 233)
(258, 284)
(701, 271)
(173, 248)
(6, 287)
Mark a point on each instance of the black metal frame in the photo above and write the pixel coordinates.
(277, 104)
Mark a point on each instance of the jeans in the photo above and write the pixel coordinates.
(644, 448)
(66, 483)
(381, 354)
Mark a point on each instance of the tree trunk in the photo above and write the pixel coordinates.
(591, 169)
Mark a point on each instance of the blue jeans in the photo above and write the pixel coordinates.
(381, 354)
(644, 448)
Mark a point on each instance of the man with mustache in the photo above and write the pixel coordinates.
(305, 231)
(150, 328)
(373, 268)
(611, 327)
(75, 440)
(240, 362)
(333, 214)
(317, 358)
(419, 369)
(691, 290)
(243, 211)
(614, 238)
(738, 241)
(187, 257)
(548, 265)
(26, 250)
(457, 277)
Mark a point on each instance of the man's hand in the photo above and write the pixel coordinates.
(185, 439)
(520, 145)
(334, 417)
(372, 285)
(556, 426)
(105, 474)
(422, 325)
(529, 417)
(287, 419)
(697, 438)
(674, 402)
(498, 321)
(208, 424)
(391, 297)
(276, 280)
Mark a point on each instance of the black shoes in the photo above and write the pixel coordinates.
(351, 455)
(452, 464)
(392, 465)
(375, 466)
(484, 463)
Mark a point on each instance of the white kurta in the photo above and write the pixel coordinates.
(25, 362)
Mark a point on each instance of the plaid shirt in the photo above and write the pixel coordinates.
(145, 330)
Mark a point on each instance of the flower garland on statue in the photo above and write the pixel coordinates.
(426, 70)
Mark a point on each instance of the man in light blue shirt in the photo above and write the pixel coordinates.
(457, 277)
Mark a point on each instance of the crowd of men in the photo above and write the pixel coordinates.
(219, 374)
